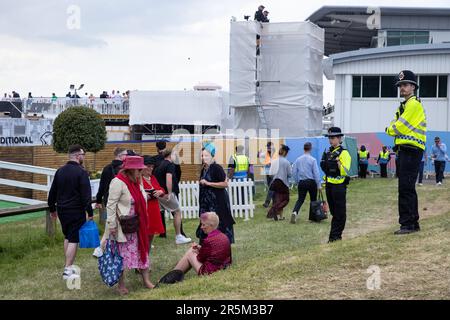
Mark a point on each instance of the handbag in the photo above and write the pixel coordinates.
(89, 235)
(129, 224)
(318, 209)
(110, 264)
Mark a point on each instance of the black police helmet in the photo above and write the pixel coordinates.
(406, 76)
(334, 132)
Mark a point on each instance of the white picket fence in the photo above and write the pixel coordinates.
(49, 172)
(239, 192)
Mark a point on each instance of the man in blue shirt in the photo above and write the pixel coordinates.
(306, 173)
(438, 154)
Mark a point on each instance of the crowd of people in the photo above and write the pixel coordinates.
(115, 94)
(135, 191)
(133, 194)
(438, 158)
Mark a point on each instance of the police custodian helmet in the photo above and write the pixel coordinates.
(406, 76)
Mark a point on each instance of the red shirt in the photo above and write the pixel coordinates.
(215, 253)
(155, 225)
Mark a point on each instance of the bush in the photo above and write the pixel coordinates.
(79, 125)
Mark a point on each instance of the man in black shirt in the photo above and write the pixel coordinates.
(259, 15)
(166, 174)
(69, 199)
(108, 173)
(160, 147)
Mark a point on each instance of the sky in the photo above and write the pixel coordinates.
(137, 44)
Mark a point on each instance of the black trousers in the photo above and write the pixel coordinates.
(305, 186)
(383, 170)
(421, 166)
(336, 197)
(439, 168)
(363, 170)
(408, 207)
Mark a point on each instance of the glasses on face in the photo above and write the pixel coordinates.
(82, 154)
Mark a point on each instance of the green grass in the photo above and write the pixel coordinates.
(7, 205)
(271, 260)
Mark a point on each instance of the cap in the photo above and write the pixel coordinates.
(406, 76)
(334, 132)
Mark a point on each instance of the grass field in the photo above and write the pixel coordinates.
(271, 260)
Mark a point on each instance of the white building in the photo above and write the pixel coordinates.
(367, 48)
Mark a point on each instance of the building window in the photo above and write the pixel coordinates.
(428, 86)
(388, 87)
(371, 87)
(356, 87)
(397, 38)
(443, 86)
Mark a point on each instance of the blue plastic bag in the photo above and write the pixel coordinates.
(89, 235)
(110, 264)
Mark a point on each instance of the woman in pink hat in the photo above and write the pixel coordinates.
(127, 198)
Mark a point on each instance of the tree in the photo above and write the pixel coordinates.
(79, 125)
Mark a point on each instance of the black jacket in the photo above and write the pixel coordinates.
(71, 190)
(259, 16)
(108, 173)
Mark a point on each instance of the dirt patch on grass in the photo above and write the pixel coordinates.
(421, 271)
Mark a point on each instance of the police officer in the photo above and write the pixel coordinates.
(336, 165)
(363, 161)
(239, 165)
(409, 131)
(239, 169)
(383, 160)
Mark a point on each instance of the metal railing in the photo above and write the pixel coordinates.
(50, 107)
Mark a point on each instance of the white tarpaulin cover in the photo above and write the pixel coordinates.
(242, 63)
(290, 78)
(176, 107)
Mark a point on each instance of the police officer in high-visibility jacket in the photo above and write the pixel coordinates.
(363, 161)
(383, 160)
(239, 167)
(409, 131)
(336, 165)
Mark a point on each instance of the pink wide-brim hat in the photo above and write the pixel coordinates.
(133, 162)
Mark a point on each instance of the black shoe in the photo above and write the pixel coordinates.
(334, 240)
(417, 227)
(265, 205)
(405, 231)
(162, 235)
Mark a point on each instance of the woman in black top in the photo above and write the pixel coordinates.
(213, 195)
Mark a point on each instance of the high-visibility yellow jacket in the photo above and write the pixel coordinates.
(410, 124)
(383, 158)
(242, 165)
(363, 157)
(345, 159)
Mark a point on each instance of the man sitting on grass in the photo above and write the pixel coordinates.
(213, 255)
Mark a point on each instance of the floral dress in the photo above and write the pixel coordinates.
(129, 250)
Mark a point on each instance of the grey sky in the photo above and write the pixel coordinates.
(136, 44)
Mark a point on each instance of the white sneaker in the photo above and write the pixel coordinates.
(294, 217)
(98, 252)
(420, 184)
(70, 273)
(439, 184)
(180, 239)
